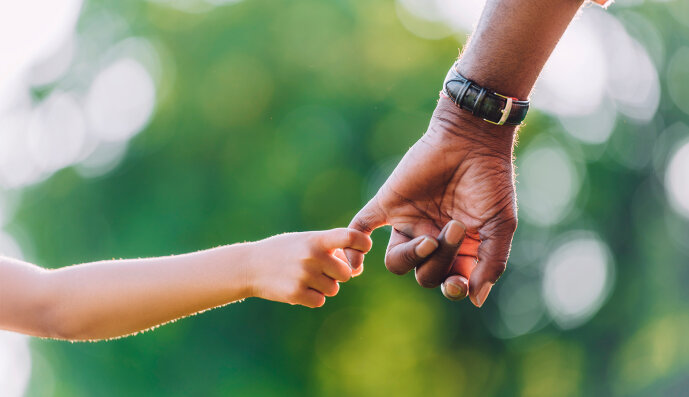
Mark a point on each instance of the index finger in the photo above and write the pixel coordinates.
(346, 238)
(492, 260)
(366, 220)
(436, 269)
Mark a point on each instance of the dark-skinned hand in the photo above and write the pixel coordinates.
(451, 204)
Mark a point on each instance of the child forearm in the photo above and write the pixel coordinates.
(108, 299)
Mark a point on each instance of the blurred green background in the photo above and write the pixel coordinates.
(277, 116)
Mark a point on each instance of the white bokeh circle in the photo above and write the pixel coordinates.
(677, 179)
(577, 278)
(120, 100)
(547, 183)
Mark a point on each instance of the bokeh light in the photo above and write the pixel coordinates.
(461, 16)
(595, 127)
(520, 304)
(422, 19)
(548, 182)
(577, 278)
(120, 100)
(56, 132)
(31, 31)
(102, 159)
(15, 364)
(51, 68)
(573, 80)
(677, 179)
(39, 136)
(586, 80)
(194, 6)
(632, 80)
(9, 246)
(17, 167)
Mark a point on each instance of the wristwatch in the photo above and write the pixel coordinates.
(484, 103)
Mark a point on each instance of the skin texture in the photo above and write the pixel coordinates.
(461, 169)
(110, 299)
(451, 174)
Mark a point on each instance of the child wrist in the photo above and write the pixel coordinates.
(249, 269)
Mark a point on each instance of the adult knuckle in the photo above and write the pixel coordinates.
(426, 280)
(364, 220)
(394, 266)
(409, 257)
(498, 271)
(511, 223)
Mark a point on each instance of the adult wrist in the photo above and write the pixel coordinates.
(458, 127)
(504, 83)
(482, 107)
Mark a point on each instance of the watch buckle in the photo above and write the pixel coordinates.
(505, 111)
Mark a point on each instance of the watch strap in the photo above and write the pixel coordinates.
(482, 102)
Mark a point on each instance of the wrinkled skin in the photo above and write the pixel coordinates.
(461, 169)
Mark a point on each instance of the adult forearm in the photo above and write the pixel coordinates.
(108, 299)
(512, 42)
(506, 53)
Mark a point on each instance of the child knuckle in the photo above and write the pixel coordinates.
(345, 275)
(304, 276)
(295, 295)
(313, 240)
(350, 237)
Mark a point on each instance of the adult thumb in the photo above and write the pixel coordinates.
(368, 219)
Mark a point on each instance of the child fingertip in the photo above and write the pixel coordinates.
(357, 272)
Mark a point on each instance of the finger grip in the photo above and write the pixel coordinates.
(366, 220)
(345, 238)
(434, 271)
(455, 287)
(404, 254)
(492, 255)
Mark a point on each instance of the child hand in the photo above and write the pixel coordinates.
(303, 268)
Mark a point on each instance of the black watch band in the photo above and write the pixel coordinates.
(481, 102)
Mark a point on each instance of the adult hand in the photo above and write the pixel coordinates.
(457, 178)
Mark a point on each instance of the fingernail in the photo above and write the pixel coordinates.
(483, 294)
(425, 247)
(453, 291)
(454, 232)
(349, 259)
